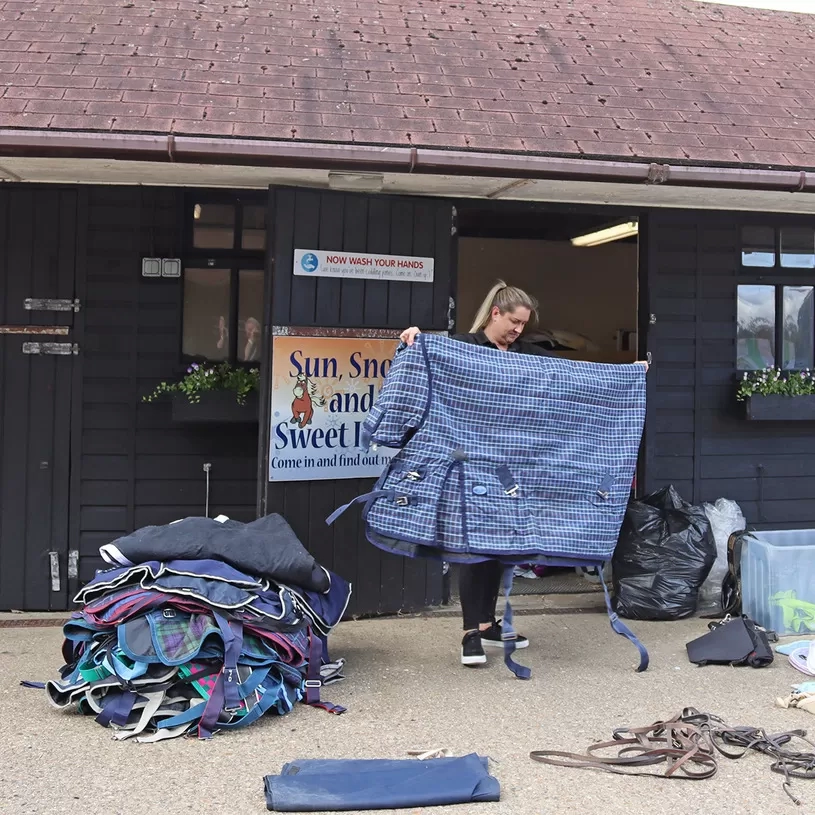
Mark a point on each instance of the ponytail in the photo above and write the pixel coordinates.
(506, 299)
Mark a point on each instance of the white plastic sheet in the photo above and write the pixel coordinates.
(725, 518)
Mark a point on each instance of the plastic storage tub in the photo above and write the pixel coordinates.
(778, 580)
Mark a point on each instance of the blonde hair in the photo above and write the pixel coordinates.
(505, 299)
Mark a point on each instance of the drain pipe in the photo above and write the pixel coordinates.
(395, 159)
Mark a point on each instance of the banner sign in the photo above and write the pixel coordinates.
(322, 263)
(322, 390)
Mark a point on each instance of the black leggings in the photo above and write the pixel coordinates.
(478, 587)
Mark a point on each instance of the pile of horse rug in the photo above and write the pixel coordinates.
(200, 626)
(512, 457)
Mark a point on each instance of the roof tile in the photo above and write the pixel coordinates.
(648, 78)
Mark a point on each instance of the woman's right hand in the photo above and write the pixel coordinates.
(409, 334)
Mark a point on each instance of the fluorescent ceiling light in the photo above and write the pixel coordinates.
(356, 182)
(607, 234)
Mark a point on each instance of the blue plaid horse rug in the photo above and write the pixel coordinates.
(511, 457)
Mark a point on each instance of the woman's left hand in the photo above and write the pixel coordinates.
(642, 362)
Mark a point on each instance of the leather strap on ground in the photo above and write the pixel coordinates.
(687, 745)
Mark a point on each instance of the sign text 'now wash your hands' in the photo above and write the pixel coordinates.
(322, 263)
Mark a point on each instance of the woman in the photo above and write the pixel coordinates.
(499, 323)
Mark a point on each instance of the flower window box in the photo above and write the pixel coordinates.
(773, 395)
(213, 394)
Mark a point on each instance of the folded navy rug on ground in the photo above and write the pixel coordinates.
(334, 785)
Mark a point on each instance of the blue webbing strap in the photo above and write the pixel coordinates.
(358, 500)
(621, 628)
(117, 668)
(117, 710)
(212, 710)
(508, 632)
(27, 683)
(186, 717)
(509, 484)
(370, 496)
(314, 680)
(232, 633)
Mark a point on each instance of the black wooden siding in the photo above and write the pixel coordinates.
(697, 436)
(304, 219)
(38, 231)
(130, 465)
(138, 467)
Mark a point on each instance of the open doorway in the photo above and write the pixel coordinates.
(588, 298)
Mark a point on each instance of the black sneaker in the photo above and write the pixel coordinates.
(472, 653)
(492, 637)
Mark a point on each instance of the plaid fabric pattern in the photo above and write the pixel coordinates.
(473, 422)
(179, 638)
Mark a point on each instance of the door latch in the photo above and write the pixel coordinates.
(51, 304)
(63, 349)
(53, 557)
(73, 564)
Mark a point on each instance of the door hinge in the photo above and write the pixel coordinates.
(50, 304)
(55, 581)
(58, 348)
(73, 564)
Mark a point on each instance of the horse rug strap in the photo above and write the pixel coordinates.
(687, 745)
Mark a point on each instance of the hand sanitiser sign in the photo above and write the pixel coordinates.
(322, 263)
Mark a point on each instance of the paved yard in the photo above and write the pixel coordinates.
(405, 690)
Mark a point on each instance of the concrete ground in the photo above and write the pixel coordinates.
(405, 690)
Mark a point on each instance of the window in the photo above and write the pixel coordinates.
(798, 248)
(763, 247)
(798, 324)
(758, 246)
(756, 327)
(759, 333)
(207, 296)
(223, 280)
(776, 308)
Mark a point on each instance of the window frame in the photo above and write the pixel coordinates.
(235, 260)
(777, 276)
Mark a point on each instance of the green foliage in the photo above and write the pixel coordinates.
(774, 381)
(207, 377)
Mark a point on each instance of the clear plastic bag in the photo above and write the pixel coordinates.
(725, 518)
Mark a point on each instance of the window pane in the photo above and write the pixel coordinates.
(756, 328)
(206, 313)
(758, 246)
(250, 313)
(213, 226)
(798, 324)
(254, 227)
(798, 248)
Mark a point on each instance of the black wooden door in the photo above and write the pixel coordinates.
(38, 233)
(377, 224)
(669, 321)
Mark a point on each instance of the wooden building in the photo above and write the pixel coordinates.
(124, 227)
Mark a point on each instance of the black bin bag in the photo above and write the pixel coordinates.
(664, 553)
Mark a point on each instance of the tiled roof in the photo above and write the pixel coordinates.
(657, 79)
